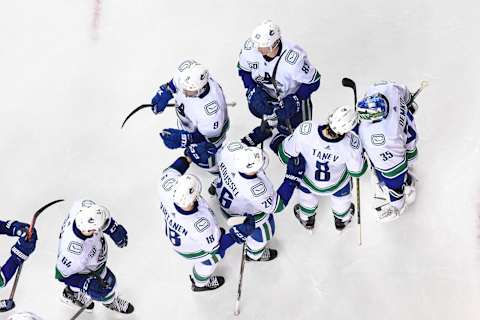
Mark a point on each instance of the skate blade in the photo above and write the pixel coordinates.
(72, 305)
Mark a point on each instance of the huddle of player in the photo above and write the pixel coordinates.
(320, 158)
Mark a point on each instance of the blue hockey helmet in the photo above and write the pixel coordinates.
(373, 108)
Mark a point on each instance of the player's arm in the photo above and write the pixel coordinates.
(308, 76)
(245, 68)
(291, 146)
(163, 95)
(356, 162)
(19, 252)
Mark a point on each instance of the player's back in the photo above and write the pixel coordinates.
(207, 113)
(240, 194)
(77, 253)
(384, 141)
(326, 158)
(192, 234)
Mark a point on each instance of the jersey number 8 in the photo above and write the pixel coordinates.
(322, 173)
(172, 235)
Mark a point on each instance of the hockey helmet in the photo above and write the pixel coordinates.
(24, 316)
(187, 190)
(92, 218)
(373, 108)
(343, 119)
(249, 160)
(191, 77)
(266, 35)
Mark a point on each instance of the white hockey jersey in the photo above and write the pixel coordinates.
(386, 141)
(293, 69)
(195, 235)
(241, 195)
(208, 113)
(77, 253)
(329, 163)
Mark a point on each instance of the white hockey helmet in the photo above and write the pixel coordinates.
(92, 218)
(24, 316)
(249, 160)
(187, 190)
(343, 119)
(266, 35)
(191, 77)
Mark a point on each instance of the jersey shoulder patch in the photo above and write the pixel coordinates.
(248, 45)
(354, 141)
(292, 56)
(168, 184)
(211, 108)
(202, 224)
(306, 127)
(258, 189)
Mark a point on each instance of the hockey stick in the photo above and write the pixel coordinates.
(9, 304)
(349, 83)
(148, 105)
(239, 290)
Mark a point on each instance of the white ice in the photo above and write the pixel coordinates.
(66, 87)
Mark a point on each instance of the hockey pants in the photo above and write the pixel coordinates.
(257, 242)
(341, 201)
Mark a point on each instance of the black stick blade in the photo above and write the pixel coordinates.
(6, 305)
(347, 82)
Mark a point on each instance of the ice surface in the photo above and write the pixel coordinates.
(69, 76)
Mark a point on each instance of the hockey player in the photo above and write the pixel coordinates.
(24, 316)
(333, 154)
(388, 133)
(201, 107)
(20, 251)
(191, 227)
(244, 189)
(82, 257)
(279, 80)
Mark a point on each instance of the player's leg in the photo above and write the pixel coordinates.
(396, 205)
(257, 242)
(305, 210)
(110, 297)
(412, 153)
(202, 277)
(342, 206)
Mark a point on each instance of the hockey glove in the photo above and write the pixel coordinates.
(16, 228)
(286, 189)
(257, 136)
(202, 154)
(240, 232)
(161, 98)
(295, 169)
(24, 248)
(291, 105)
(118, 233)
(175, 138)
(98, 290)
(258, 102)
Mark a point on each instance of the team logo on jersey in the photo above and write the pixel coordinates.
(202, 224)
(378, 139)
(211, 108)
(168, 184)
(354, 142)
(258, 189)
(75, 248)
(252, 65)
